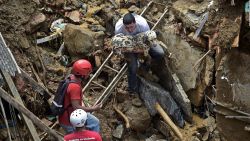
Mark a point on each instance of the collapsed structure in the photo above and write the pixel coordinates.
(207, 57)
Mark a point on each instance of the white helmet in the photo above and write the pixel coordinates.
(78, 118)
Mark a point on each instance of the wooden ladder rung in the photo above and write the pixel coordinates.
(111, 68)
(150, 22)
(99, 85)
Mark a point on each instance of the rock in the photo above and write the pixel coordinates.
(210, 122)
(96, 28)
(80, 41)
(134, 9)
(156, 138)
(23, 42)
(131, 137)
(73, 15)
(35, 22)
(93, 10)
(182, 62)
(139, 118)
(205, 136)
(194, 138)
(137, 102)
(59, 3)
(110, 17)
(118, 132)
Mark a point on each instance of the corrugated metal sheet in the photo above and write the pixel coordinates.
(7, 60)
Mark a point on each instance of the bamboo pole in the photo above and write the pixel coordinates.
(30, 115)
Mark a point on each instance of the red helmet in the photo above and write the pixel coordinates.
(82, 67)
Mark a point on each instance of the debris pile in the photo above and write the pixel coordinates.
(47, 36)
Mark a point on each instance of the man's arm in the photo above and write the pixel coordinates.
(76, 105)
(75, 93)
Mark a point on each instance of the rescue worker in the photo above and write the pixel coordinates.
(132, 24)
(78, 119)
(73, 98)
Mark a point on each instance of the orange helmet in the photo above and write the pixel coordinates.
(82, 67)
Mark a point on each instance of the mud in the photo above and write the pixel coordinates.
(232, 91)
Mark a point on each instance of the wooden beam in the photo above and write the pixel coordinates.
(4, 95)
(15, 93)
(35, 85)
(5, 119)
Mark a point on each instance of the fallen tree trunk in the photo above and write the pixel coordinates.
(30, 115)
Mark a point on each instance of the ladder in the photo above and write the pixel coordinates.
(119, 73)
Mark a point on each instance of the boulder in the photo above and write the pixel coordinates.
(35, 22)
(81, 41)
(194, 81)
(139, 118)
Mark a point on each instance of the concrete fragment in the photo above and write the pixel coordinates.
(23, 42)
(155, 137)
(190, 12)
(73, 15)
(181, 98)
(162, 127)
(118, 132)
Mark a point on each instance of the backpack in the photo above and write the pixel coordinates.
(57, 107)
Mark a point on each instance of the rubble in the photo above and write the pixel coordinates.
(118, 132)
(206, 55)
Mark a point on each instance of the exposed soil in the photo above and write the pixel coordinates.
(41, 60)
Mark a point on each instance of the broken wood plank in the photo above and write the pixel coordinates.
(15, 103)
(236, 41)
(44, 134)
(15, 93)
(5, 119)
(37, 87)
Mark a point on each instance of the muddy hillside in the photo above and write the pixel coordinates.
(198, 90)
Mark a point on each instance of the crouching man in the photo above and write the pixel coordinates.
(77, 120)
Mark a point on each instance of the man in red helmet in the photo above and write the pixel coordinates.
(73, 98)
